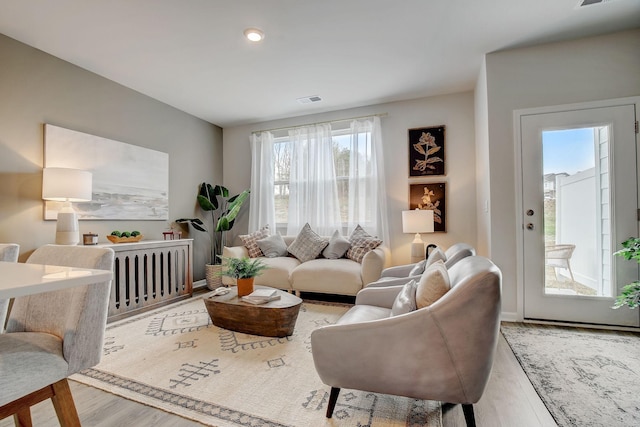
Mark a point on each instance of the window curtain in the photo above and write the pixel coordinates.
(367, 184)
(262, 209)
(313, 193)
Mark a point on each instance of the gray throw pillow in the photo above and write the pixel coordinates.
(405, 302)
(434, 283)
(435, 255)
(307, 245)
(418, 268)
(337, 247)
(273, 246)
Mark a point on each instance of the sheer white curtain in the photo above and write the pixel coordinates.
(367, 193)
(261, 209)
(313, 194)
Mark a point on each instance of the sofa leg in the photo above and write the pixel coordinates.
(469, 417)
(333, 398)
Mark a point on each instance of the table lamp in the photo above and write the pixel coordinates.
(66, 185)
(417, 221)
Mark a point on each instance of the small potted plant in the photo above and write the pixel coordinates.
(630, 293)
(244, 270)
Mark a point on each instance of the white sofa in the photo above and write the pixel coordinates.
(329, 276)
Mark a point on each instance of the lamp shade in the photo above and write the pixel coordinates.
(66, 185)
(417, 221)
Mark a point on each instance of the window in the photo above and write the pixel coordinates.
(327, 174)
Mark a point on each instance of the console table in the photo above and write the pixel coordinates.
(148, 274)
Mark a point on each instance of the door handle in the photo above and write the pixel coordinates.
(530, 226)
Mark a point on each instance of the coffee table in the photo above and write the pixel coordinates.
(273, 319)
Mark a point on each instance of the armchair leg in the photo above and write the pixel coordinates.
(469, 417)
(333, 398)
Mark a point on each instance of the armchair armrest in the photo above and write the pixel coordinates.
(397, 281)
(397, 271)
(378, 296)
(372, 265)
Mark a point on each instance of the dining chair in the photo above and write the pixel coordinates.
(8, 253)
(52, 335)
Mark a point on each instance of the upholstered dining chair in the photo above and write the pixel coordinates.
(8, 253)
(443, 351)
(52, 335)
(401, 274)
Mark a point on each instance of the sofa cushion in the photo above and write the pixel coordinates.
(307, 245)
(330, 276)
(250, 241)
(361, 243)
(278, 273)
(434, 283)
(337, 247)
(273, 246)
(405, 302)
(363, 313)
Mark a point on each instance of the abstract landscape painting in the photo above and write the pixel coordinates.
(129, 182)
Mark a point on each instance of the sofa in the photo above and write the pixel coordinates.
(341, 276)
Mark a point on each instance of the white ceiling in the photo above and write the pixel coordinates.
(191, 54)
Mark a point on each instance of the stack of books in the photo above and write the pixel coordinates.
(261, 296)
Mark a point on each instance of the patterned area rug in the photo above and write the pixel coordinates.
(585, 377)
(176, 360)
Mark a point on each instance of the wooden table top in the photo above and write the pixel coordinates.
(286, 299)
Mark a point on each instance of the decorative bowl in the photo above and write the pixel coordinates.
(116, 239)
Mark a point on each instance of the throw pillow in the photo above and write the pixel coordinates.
(250, 241)
(418, 268)
(273, 246)
(435, 255)
(405, 302)
(433, 284)
(337, 246)
(361, 243)
(307, 245)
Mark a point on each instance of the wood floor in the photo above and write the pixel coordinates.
(509, 400)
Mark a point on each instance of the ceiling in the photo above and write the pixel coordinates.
(192, 54)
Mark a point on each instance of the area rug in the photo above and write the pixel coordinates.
(174, 359)
(585, 377)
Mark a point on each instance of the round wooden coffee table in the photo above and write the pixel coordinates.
(272, 319)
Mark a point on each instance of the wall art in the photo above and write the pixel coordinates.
(430, 196)
(426, 151)
(129, 182)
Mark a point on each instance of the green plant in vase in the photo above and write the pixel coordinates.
(222, 210)
(244, 270)
(630, 294)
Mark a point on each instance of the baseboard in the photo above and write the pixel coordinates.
(506, 316)
(200, 284)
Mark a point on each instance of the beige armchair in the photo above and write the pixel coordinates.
(52, 335)
(401, 274)
(442, 352)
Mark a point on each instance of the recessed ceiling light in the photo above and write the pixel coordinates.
(254, 34)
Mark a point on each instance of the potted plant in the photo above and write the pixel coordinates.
(630, 293)
(244, 270)
(222, 211)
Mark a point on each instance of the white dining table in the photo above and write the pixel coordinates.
(20, 279)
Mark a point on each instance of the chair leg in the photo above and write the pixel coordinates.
(63, 404)
(333, 398)
(22, 418)
(469, 417)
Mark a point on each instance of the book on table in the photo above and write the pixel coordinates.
(261, 296)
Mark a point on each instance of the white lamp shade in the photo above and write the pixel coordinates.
(417, 221)
(64, 184)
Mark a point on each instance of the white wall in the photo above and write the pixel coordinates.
(37, 88)
(588, 69)
(454, 111)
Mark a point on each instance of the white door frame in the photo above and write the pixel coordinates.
(517, 139)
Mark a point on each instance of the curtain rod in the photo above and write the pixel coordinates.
(320, 123)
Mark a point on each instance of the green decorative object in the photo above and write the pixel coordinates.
(222, 210)
(242, 268)
(630, 293)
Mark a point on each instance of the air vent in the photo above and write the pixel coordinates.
(309, 99)
(583, 3)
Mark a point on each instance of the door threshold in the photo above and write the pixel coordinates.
(583, 325)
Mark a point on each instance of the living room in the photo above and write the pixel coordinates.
(39, 88)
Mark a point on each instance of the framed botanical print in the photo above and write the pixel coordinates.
(431, 196)
(426, 151)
